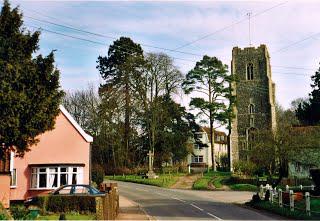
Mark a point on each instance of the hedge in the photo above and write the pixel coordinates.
(4, 215)
(58, 203)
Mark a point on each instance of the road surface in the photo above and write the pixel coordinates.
(172, 204)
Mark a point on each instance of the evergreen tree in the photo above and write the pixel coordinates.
(121, 70)
(308, 112)
(29, 87)
(209, 78)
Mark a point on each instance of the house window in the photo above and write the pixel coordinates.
(197, 159)
(13, 181)
(53, 177)
(250, 71)
(199, 136)
(197, 147)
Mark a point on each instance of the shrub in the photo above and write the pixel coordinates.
(247, 168)
(4, 215)
(19, 212)
(223, 163)
(97, 174)
(61, 203)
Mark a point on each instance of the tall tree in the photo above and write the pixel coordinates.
(121, 70)
(308, 111)
(210, 79)
(83, 106)
(162, 80)
(29, 87)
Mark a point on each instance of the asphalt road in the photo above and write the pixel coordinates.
(170, 204)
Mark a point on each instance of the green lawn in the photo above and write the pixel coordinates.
(244, 187)
(218, 180)
(285, 211)
(164, 180)
(68, 217)
(210, 177)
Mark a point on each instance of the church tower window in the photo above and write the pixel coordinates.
(250, 71)
(251, 108)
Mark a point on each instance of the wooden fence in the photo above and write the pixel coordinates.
(107, 207)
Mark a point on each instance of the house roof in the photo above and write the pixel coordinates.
(215, 132)
(85, 136)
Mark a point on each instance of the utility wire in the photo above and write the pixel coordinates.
(295, 43)
(130, 52)
(95, 42)
(229, 26)
(107, 36)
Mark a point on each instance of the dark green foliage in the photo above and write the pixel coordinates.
(4, 215)
(29, 87)
(62, 216)
(97, 174)
(308, 112)
(121, 69)
(67, 203)
(19, 212)
(223, 164)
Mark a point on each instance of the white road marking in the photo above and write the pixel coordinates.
(178, 199)
(214, 216)
(196, 207)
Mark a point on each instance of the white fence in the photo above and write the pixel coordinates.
(295, 201)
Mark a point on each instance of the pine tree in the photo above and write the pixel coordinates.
(209, 77)
(29, 86)
(308, 112)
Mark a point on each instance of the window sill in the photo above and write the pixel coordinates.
(43, 188)
(13, 187)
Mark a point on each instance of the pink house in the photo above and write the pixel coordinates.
(61, 157)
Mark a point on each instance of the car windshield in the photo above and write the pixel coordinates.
(94, 190)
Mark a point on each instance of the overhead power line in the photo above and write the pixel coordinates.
(95, 42)
(107, 36)
(228, 26)
(288, 67)
(296, 42)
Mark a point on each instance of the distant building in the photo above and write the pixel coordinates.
(201, 157)
(255, 98)
(61, 157)
(302, 160)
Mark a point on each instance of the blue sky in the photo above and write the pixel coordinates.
(170, 24)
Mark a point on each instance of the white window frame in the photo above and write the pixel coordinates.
(69, 172)
(196, 159)
(11, 178)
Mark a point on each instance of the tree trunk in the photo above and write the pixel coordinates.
(211, 131)
(127, 120)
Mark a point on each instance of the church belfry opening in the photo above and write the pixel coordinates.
(250, 71)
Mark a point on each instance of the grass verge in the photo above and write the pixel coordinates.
(214, 177)
(283, 211)
(244, 187)
(164, 180)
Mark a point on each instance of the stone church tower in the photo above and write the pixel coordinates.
(255, 97)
